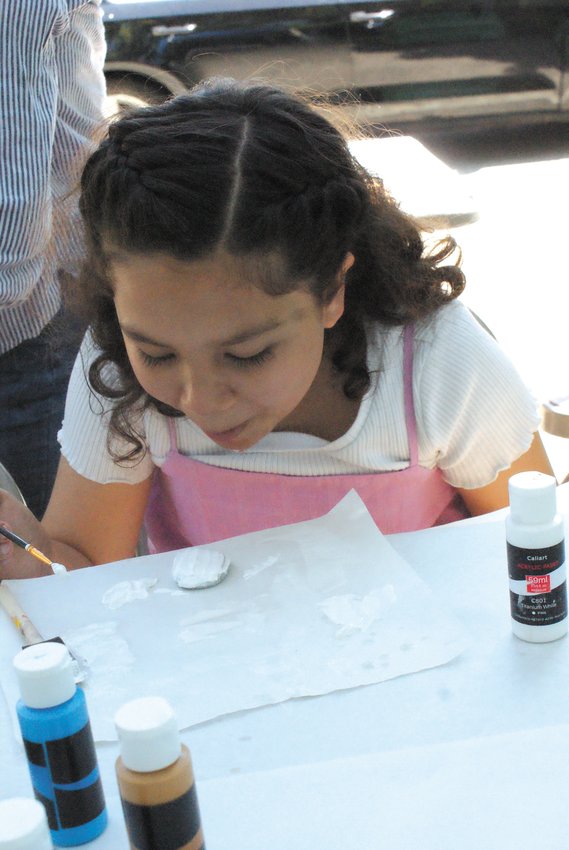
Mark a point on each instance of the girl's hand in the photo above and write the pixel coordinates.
(14, 561)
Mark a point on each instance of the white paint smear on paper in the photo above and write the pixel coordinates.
(208, 615)
(204, 625)
(203, 631)
(109, 660)
(127, 591)
(101, 644)
(357, 613)
(207, 624)
(168, 592)
(258, 568)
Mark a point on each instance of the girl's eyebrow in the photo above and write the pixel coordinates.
(251, 333)
(138, 337)
(244, 336)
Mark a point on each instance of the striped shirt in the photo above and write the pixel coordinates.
(51, 109)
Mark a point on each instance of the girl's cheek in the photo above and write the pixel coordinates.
(154, 386)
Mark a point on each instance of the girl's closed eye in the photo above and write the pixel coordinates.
(252, 360)
(149, 360)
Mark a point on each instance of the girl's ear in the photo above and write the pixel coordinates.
(347, 264)
(334, 309)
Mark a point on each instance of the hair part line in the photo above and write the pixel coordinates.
(236, 187)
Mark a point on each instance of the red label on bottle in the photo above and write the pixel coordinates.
(538, 584)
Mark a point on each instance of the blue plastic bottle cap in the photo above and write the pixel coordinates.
(45, 675)
(23, 825)
(148, 734)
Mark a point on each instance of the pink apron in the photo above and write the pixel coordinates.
(192, 502)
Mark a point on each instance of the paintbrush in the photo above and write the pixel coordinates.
(57, 568)
(32, 636)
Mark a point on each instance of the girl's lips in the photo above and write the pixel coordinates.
(227, 437)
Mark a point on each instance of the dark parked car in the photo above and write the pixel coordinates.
(401, 61)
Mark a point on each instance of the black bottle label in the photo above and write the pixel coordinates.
(169, 826)
(66, 779)
(538, 586)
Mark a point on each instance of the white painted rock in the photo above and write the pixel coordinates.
(194, 569)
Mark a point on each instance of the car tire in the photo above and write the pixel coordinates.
(125, 93)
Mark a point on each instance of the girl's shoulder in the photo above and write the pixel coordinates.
(454, 317)
(448, 329)
(455, 352)
(454, 331)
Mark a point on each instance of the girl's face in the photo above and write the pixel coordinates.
(237, 361)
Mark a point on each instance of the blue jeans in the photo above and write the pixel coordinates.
(33, 385)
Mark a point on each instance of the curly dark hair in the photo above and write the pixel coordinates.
(261, 174)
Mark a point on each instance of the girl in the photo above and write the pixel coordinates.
(267, 333)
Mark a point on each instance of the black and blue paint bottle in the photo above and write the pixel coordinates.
(54, 721)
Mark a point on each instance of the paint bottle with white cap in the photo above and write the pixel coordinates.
(56, 732)
(155, 778)
(535, 541)
(23, 825)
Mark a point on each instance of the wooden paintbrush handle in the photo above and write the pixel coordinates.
(18, 616)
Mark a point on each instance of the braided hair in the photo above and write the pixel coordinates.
(254, 171)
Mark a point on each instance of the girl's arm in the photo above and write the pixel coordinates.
(483, 500)
(85, 523)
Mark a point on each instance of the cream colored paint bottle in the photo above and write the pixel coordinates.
(155, 778)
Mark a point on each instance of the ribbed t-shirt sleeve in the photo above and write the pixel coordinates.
(474, 408)
(83, 434)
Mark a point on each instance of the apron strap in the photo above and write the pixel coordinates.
(410, 420)
(172, 432)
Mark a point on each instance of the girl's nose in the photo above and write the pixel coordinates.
(205, 396)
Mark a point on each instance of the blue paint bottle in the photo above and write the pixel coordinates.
(52, 714)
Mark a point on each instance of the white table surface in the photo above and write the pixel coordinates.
(474, 753)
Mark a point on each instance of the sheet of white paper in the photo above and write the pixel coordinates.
(306, 609)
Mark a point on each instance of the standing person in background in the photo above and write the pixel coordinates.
(52, 93)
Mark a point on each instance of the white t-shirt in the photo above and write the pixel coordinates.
(474, 416)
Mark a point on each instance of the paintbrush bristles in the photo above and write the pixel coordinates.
(39, 555)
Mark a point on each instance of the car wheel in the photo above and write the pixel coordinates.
(127, 93)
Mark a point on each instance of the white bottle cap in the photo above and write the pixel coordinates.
(533, 498)
(45, 675)
(23, 825)
(148, 734)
